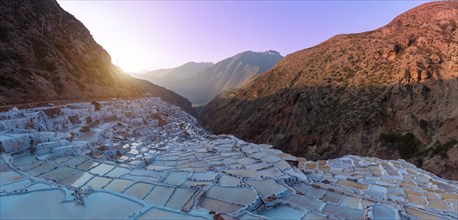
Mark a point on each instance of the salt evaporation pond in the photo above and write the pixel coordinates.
(123, 163)
(54, 206)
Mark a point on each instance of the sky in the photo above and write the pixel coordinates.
(148, 35)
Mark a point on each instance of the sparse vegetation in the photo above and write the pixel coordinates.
(397, 48)
(4, 33)
(10, 55)
(407, 145)
(442, 149)
(9, 82)
(41, 52)
(424, 125)
(411, 41)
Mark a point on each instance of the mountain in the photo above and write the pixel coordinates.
(187, 70)
(212, 79)
(46, 54)
(167, 76)
(171, 77)
(151, 74)
(390, 93)
(228, 74)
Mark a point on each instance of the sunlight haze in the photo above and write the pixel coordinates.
(147, 35)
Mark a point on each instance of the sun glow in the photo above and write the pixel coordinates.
(128, 59)
(149, 35)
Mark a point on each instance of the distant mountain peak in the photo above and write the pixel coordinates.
(272, 52)
(267, 52)
(197, 63)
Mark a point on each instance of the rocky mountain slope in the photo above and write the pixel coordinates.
(212, 79)
(390, 93)
(46, 54)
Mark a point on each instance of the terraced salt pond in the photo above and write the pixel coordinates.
(142, 170)
(31, 206)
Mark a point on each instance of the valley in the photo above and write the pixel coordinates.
(360, 126)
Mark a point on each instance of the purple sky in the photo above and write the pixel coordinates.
(147, 35)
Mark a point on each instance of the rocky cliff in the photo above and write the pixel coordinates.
(46, 54)
(390, 93)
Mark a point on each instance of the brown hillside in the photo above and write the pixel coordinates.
(390, 93)
(46, 54)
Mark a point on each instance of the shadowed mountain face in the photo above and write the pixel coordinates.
(46, 54)
(201, 82)
(390, 93)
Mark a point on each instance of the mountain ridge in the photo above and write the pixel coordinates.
(390, 92)
(46, 54)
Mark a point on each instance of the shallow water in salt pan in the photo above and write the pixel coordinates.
(119, 185)
(267, 187)
(176, 178)
(16, 185)
(97, 183)
(102, 169)
(204, 176)
(156, 213)
(283, 212)
(226, 180)
(159, 195)
(59, 173)
(244, 173)
(218, 206)
(117, 172)
(139, 190)
(8, 177)
(270, 172)
(383, 212)
(238, 195)
(78, 180)
(180, 197)
(75, 162)
(32, 206)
